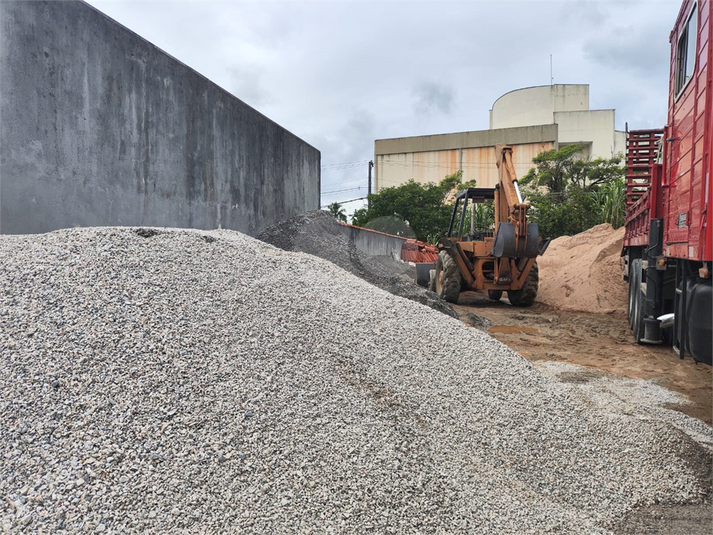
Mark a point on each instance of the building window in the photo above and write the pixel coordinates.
(686, 52)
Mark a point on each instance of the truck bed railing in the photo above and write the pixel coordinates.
(642, 151)
(641, 184)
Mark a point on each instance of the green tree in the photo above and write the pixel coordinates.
(338, 212)
(483, 215)
(611, 199)
(553, 168)
(423, 206)
(570, 193)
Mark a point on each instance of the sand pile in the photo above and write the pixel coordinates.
(165, 381)
(584, 272)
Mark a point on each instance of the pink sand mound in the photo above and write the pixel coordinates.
(584, 272)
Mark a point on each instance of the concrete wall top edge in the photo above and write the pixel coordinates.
(372, 231)
(208, 80)
(462, 140)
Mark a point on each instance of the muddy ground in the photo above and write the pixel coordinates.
(600, 341)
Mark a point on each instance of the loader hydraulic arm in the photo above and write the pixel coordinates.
(514, 237)
(509, 207)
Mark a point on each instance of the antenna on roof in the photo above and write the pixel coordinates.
(552, 80)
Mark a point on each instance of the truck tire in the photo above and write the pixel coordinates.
(525, 296)
(637, 301)
(630, 302)
(495, 295)
(448, 279)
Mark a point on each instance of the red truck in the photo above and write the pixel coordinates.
(668, 242)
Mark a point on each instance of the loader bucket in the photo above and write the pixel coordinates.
(506, 245)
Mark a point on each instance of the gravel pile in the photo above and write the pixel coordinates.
(169, 381)
(644, 399)
(319, 234)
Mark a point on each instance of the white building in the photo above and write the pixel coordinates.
(567, 106)
(531, 120)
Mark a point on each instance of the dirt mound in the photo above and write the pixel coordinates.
(584, 272)
(318, 233)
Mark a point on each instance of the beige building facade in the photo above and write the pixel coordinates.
(531, 120)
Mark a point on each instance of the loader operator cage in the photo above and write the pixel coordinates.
(475, 195)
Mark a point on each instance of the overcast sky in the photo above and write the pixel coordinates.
(341, 74)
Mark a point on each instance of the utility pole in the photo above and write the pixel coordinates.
(368, 201)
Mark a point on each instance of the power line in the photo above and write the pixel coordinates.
(344, 183)
(343, 190)
(345, 202)
(345, 165)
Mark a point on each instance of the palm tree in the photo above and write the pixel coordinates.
(338, 212)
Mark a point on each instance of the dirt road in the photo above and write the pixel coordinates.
(599, 341)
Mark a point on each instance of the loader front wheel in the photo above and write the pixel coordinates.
(448, 279)
(525, 296)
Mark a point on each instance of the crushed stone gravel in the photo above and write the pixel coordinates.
(175, 380)
(318, 234)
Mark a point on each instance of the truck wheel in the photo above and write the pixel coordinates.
(525, 296)
(637, 301)
(630, 302)
(448, 279)
(495, 295)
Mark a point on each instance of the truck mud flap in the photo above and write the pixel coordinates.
(505, 244)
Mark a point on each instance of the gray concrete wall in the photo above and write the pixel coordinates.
(100, 127)
(374, 243)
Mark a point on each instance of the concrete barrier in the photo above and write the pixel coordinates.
(100, 127)
(374, 243)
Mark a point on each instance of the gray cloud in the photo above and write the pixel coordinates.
(584, 14)
(246, 83)
(432, 96)
(644, 51)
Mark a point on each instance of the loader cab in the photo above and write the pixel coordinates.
(476, 231)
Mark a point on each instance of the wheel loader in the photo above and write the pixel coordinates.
(504, 261)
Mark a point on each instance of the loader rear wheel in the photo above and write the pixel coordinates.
(448, 279)
(495, 295)
(525, 296)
